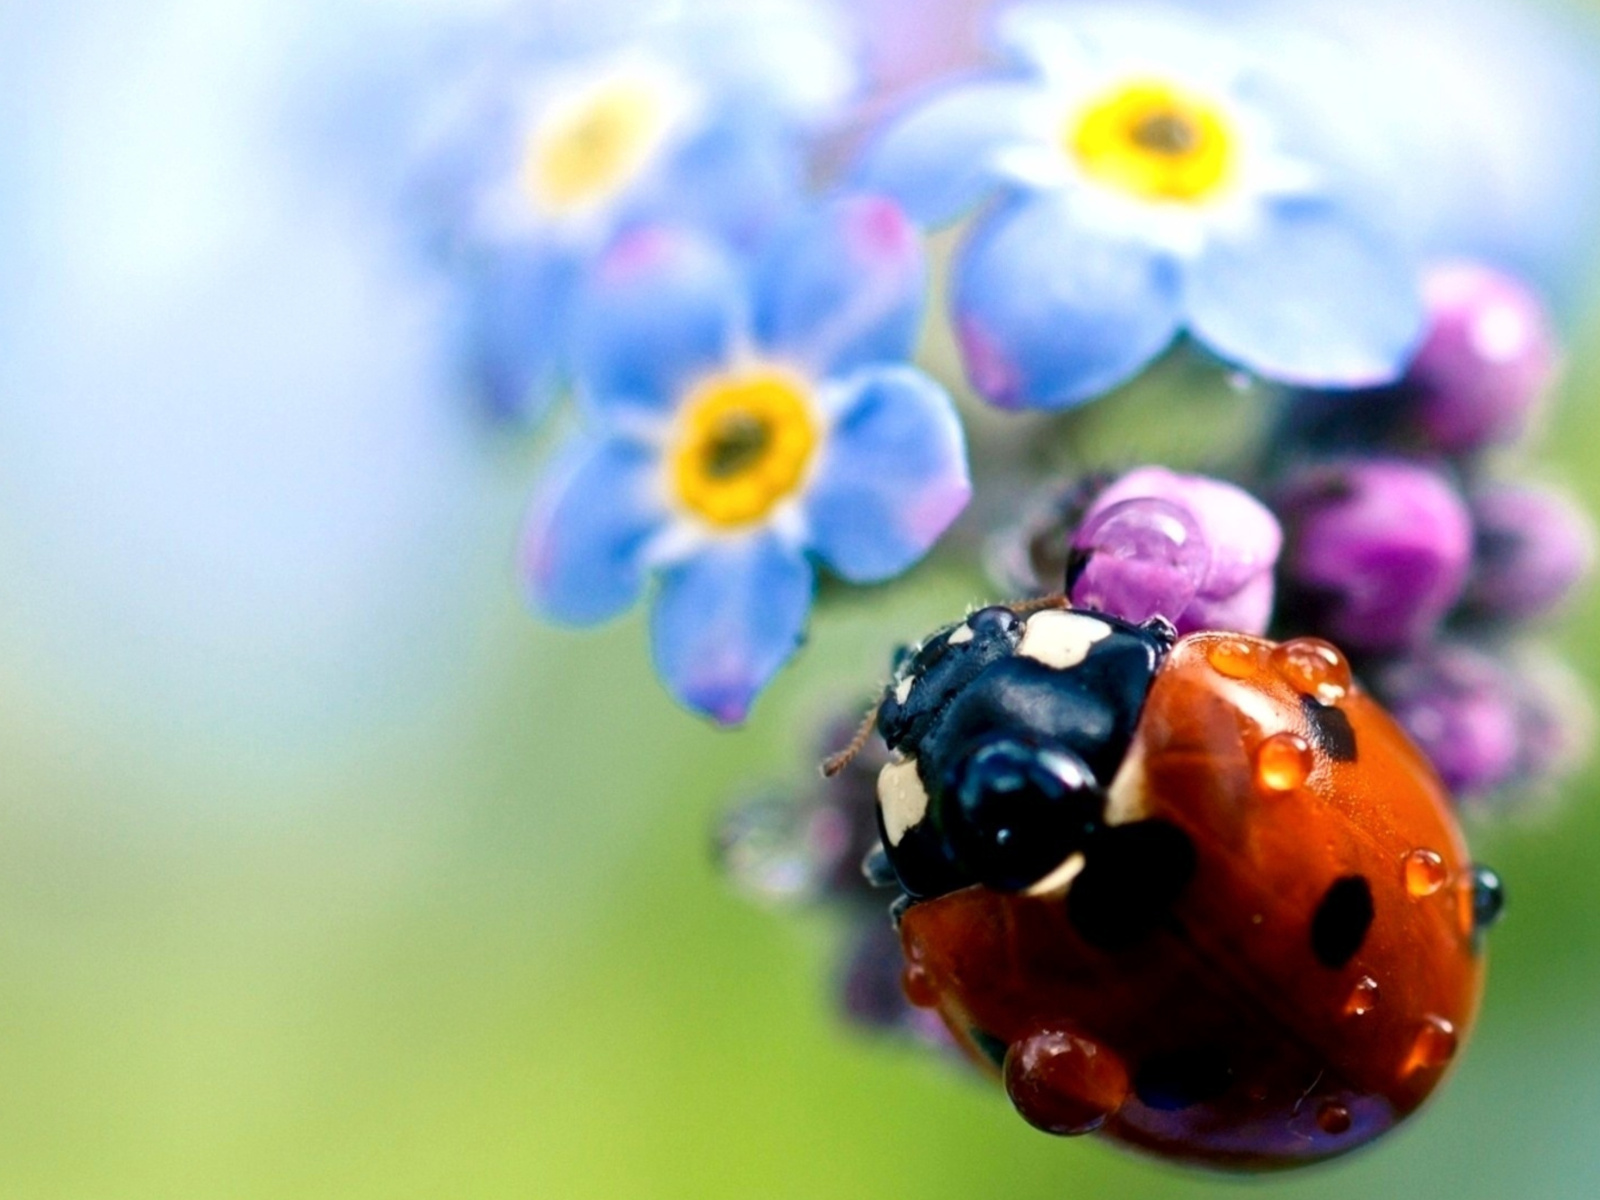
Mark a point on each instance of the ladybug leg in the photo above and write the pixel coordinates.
(1065, 1083)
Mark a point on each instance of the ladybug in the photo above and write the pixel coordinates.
(1201, 895)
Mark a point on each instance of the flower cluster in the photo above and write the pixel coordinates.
(1130, 185)
(1145, 176)
(739, 420)
(679, 225)
(1387, 524)
(1415, 545)
(574, 128)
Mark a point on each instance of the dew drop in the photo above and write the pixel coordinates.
(1138, 559)
(776, 850)
(1333, 1117)
(1235, 658)
(1064, 1084)
(1314, 667)
(1488, 896)
(1425, 873)
(919, 987)
(1363, 997)
(1434, 1046)
(1283, 763)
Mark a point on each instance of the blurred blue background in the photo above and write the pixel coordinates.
(324, 870)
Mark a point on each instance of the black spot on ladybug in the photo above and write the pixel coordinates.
(1341, 922)
(1182, 1078)
(989, 1046)
(1330, 729)
(1132, 876)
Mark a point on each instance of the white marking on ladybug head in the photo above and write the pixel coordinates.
(1061, 639)
(960, 637)
(1127, 799)
(902, 800)
(902, 690)
(1058, 881)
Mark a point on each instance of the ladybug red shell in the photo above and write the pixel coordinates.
(1202, 896)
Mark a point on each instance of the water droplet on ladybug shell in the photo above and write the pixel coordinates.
(1334, 1118)
(919, 987)
(1064, 1084)
(1434, 1046)
(1283, 763)
(1425, 873)
(1363, 997)
(1314, 667)
(1235, 658)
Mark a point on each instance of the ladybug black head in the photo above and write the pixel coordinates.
(1007, 728)
(928, 676)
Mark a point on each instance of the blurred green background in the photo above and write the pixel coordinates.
(431, 912)
(478, 949)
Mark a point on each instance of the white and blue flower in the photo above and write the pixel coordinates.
(545, 158)
(1147, 178)
(741, 423)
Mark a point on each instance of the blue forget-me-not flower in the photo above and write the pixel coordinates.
(1148, 178)
(573, 137)
(743, 419)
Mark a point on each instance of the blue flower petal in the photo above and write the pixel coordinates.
(1308, 297)
(1064, 41)
(663, 306)
(581, 558)
(943, 157)
(517, 328)
(1050, 314)
(892, 476)
(1042, 36)
(726, 619)
(792, 59)
(843, 287)
(738, 179)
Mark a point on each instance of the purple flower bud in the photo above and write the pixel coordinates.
(1196, 550)
(1460, 707)
(1533, 547)
(1489, 724)
(1488, 357)
(869, 991)
(1379, 551)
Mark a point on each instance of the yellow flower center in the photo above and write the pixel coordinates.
(1155, 141)
(588, 148)
(745, 439)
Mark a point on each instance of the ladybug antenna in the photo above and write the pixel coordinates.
(835, 763)
(1039, 604)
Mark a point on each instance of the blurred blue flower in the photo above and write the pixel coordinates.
(739, 421)
(1151, 178)
(585, 128)
(1486, 116)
